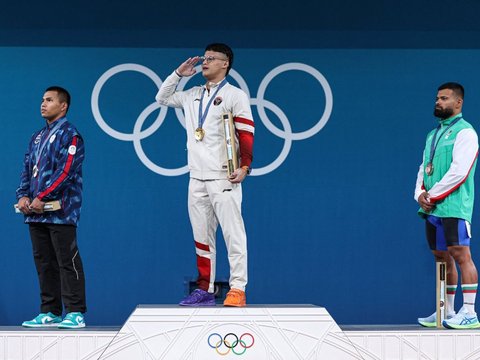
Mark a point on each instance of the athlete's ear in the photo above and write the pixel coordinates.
(459, 102)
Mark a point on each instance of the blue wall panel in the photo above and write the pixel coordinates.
(333, 224)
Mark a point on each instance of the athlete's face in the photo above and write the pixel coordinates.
(52, 108)
(215, 65)
(447, 104)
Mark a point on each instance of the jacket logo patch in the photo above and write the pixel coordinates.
(52, 138)
(218, 100)
(72, 149)
(38, 138)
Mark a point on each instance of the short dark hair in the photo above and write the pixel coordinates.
(63, 94)
(455, 87)
(224, 49)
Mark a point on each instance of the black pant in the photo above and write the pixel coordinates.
(59, 267)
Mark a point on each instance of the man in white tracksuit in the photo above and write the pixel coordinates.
(214, 197)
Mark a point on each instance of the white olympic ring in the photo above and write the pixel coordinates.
(287, 134)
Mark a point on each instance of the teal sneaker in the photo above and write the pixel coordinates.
(73, 320)
(431, 321)
(463, 320)
(43, 320)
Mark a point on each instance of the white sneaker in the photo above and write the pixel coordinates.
(463, 320)
(431, 321)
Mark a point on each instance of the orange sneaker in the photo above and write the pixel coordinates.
(236, 298)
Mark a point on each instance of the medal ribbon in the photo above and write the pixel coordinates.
(53, 130)
(203, 115)
(433, 145)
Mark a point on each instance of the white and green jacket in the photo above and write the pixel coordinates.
(451, 185)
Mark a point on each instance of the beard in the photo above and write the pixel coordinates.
(443, 113)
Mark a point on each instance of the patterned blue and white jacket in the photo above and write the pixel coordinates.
(52, 170)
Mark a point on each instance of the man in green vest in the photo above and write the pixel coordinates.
(445, 192)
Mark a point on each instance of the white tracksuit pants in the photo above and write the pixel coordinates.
(210, 203)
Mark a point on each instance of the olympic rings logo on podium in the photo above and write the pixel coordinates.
(287, 134)
(230, 341)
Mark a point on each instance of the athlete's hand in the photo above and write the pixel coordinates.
(238, 176)
(24, 205)
(424, 201)
(187, 68)
(37, 206)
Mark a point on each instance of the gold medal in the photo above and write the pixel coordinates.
(429, 169)
(199, 134)
(35, 170)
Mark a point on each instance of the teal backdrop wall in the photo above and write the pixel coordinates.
(329, 208)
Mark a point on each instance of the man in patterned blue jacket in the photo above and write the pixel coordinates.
(52, 170)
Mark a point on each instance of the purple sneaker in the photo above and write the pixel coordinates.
(198, 297)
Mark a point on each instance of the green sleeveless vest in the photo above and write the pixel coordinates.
(459, 203)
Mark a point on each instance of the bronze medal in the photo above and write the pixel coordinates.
(429, 169)
(199, 134)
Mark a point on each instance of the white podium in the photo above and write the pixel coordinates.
(256, 332)
(260, 332)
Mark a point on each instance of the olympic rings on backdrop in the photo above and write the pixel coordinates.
(286, 134)
(229, 345)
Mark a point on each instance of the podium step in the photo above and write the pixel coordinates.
(259, 332)
(17, 343)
